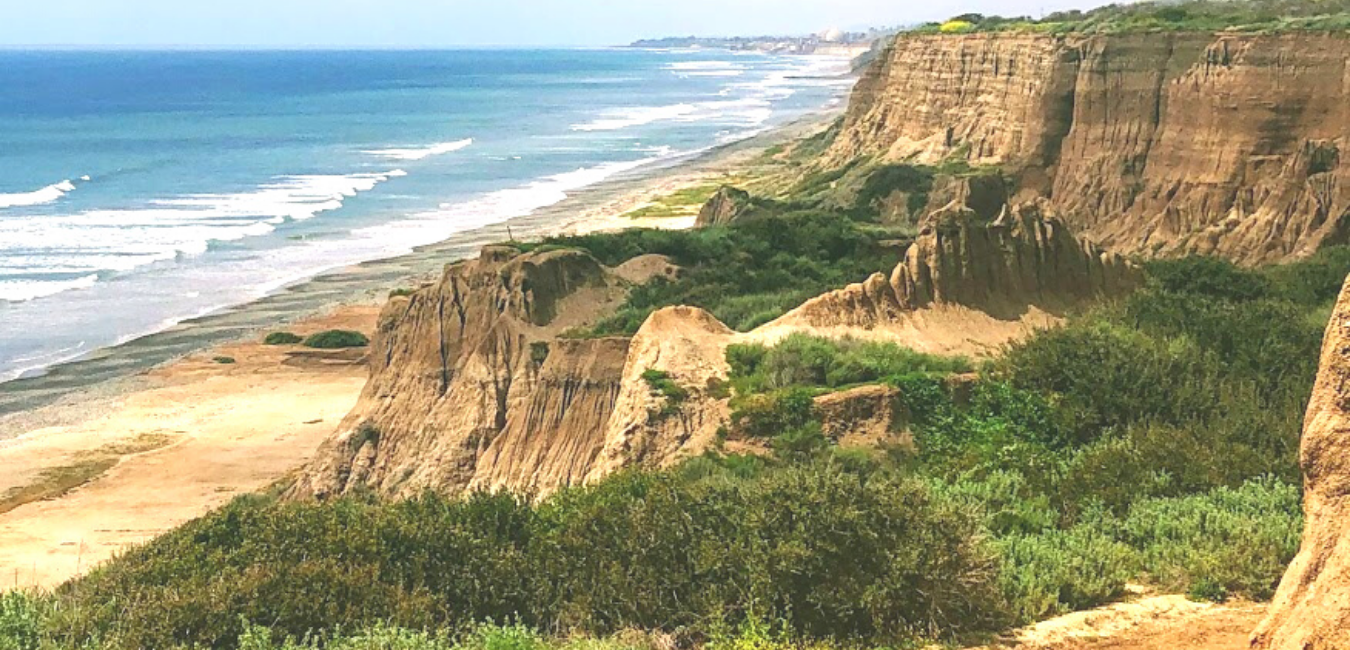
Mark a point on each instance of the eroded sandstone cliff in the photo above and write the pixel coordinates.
(462, 371)
(1151, 143)
(472, 387)
(968, 285)
(1311, 610)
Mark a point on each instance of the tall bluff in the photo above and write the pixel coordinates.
(1311, 610)
(1158, 144)
(471, 387)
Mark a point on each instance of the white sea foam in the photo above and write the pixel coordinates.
(502, 205)
(746, 112)
(49, 194)
(624, 118)
(21, 290)
(97, 241)
(422, 153)
(694, 66)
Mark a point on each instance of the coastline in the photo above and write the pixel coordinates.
(106, 453)
(61, 393)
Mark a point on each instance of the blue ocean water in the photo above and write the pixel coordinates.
(139, 189)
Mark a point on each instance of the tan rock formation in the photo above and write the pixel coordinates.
(727, 205)
(464, 366)
(1150, 143)
(689, 346)
(470, 388)
(1311, 610)
(867, 417)
(967, 285)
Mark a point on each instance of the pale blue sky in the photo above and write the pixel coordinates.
(412, 23)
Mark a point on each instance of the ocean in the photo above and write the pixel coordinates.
(142, 189)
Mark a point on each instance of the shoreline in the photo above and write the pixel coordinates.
(158, 431)
(61, 394)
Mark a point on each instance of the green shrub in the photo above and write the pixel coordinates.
(282, 338)
(801, 360)
(770, 414)
(337, 340)
(661, 383)
(224, 361)
(1220, 543)
(1208, 276)
(401, 293)
(1058, 571)
(828, 552)
(20, 622)
(539, 352)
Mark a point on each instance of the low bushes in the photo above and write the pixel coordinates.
(745, 274)
(831, 553)
(282, 338)
(337, 340)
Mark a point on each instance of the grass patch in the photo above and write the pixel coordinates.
(56, 482)
(746, 274)
(337, 340)
(683, 202)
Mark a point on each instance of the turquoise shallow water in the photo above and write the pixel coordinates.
(139, 189)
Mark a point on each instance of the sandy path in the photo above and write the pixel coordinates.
(229, 429)
(1148, 623)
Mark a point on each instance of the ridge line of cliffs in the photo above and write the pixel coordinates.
(472, 386)
(1155, 144)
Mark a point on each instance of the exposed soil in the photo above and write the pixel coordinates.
(1150, 623)
(198, 433)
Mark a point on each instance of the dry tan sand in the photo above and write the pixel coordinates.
(221, 430)
(1145, 623)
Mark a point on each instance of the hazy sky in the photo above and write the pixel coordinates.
(409, 23)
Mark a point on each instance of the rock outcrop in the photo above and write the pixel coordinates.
(1311, 610)
(968, 284)
(1160, 144)
(727, 205)
(471, 387)
(461, 369)
(866, 417)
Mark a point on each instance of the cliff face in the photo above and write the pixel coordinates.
(1311, 610)
(463, 368)
(1156, 144)
(968, 285)
(471, 388)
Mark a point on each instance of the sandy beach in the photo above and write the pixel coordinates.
(112, 451)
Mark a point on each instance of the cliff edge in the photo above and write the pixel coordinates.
(1156, 144)
(1311, 610)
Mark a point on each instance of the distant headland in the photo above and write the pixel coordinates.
(831, 41)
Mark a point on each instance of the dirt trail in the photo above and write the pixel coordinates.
(221, 430)
(1149, 623)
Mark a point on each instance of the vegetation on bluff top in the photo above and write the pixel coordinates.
(1149, 17)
